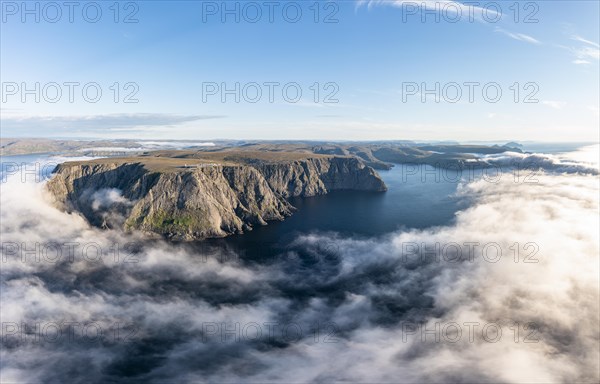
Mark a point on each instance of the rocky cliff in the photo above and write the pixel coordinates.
(186, 199)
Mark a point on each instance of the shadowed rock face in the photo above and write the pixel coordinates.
(187, 199)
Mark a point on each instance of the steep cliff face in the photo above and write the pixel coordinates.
(208, 200)
(320, 175)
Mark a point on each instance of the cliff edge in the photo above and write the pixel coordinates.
(185, 195)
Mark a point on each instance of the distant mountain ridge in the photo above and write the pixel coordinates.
(378, 155)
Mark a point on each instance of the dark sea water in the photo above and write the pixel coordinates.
(415, 199)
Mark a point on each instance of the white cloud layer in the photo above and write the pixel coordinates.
(365, 287)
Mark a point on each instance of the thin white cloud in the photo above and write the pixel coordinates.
(458, 10)
(581, 39)
(65, 125)
(554, 104)
(467, 11)
(584, 54)
(580, 62)
(518, 36)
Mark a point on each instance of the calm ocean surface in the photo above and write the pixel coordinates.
(410, 202)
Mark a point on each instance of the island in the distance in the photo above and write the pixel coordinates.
(190, 194)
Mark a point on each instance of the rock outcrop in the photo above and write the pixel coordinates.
(170, 198)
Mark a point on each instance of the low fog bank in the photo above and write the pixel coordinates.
(507, 293)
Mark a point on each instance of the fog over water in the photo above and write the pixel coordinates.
(437, 280)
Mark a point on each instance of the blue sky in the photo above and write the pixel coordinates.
(369, 59)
